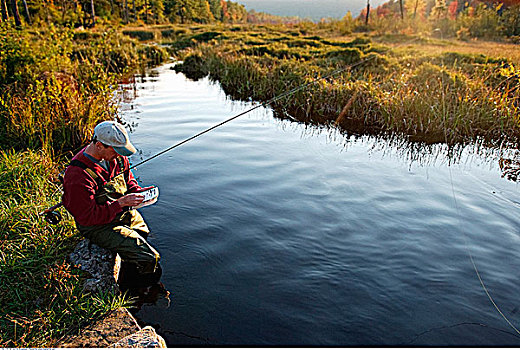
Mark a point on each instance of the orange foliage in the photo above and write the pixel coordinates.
(452, 9)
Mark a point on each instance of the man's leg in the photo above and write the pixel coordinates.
(131, 246)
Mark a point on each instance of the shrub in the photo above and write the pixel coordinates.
(193, 67)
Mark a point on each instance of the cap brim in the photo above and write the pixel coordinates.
(125, 151)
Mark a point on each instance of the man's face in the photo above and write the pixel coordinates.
(108, 153)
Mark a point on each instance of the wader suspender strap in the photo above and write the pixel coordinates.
(89, 171)
(95, 176)
(121, 163)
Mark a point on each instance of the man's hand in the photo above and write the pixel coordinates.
(131, 200)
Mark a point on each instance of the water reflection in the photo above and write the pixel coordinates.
(510, 168)
(387, 144)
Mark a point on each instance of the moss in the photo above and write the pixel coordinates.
(206, 36)
(348, 56)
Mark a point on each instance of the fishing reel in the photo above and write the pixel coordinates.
(51, 215)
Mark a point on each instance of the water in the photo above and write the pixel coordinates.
(274, 233)
(312, 9)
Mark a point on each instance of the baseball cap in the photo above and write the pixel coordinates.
(113, 134)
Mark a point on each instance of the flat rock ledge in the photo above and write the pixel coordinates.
(145, 338)
(119, 328)
(100, 263)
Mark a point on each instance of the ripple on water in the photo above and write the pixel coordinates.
(275, 233)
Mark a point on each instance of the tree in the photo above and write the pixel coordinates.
(401, 8)
(440, 9)
(5, 15)
(125, 11)
(234, 12)
(92, 13)
(26, 9)
(16, 14)
(368, 12)
(216, 9)
(415, 8)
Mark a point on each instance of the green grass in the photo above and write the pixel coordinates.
(450, 94)
(40, 292)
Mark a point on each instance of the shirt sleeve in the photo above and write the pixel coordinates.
(78, 198)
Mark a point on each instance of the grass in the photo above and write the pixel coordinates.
(40, 292)
(425, 89)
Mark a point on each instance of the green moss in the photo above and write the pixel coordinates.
(348, 56)
(206, 36)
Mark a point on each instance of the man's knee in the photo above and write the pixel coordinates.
(136, 249)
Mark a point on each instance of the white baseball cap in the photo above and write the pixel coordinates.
(114, 134)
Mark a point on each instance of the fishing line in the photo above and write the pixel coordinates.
(459, 325)
(459, 214)
(496, 192)
(481, 281)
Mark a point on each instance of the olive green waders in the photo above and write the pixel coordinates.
(126, 234)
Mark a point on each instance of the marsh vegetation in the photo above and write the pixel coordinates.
(426, 89)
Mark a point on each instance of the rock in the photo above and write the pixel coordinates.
(100, 263)
(145, 338)
(119, 328)
(118, 324)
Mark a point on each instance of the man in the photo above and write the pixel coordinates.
(100, 191)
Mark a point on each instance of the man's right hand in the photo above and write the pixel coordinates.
(131, 200)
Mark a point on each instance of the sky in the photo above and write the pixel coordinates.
(313, 9)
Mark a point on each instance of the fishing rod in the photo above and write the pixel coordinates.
(52, 216)
(263, 104)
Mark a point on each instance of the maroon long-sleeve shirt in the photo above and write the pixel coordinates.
(79, 190)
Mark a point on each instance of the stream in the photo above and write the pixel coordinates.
(273, 232)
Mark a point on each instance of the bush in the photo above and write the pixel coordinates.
(481, 22)
(193, 67)
(15, 56)
(510, 21)
(153, 54)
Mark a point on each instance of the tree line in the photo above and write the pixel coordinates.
(433, 8)
(87, 13)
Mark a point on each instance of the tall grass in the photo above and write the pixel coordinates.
(40, 292)
(450, 96)
(55, 88)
